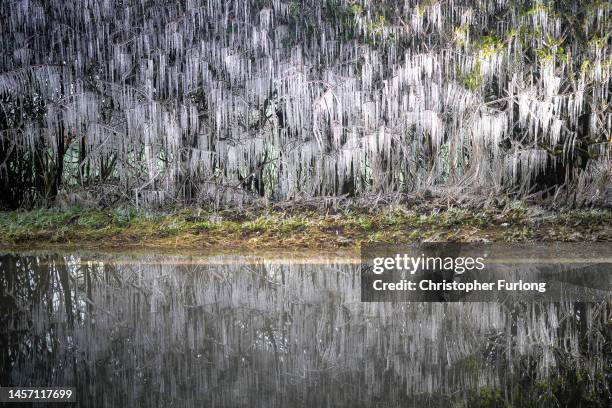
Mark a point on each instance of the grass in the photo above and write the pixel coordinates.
(311, 229)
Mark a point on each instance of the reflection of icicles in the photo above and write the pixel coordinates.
(194, 318)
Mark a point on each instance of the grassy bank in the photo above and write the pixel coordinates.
(124, 227)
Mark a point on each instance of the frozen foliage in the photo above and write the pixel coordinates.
(212, 100)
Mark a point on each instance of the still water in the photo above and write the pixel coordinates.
(150, 330)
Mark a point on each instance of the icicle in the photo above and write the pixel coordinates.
(399, 97)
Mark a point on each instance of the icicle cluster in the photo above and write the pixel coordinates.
(217, 100)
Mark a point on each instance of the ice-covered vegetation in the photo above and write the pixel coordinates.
(214, 101)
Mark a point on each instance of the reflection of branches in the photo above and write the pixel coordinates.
(233, 323)
(62, 271)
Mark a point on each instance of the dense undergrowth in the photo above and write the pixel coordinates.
(260, 228)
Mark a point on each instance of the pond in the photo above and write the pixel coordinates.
(154, 330)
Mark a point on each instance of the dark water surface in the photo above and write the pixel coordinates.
(230, 331)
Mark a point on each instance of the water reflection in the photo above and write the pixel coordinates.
(163, 331)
